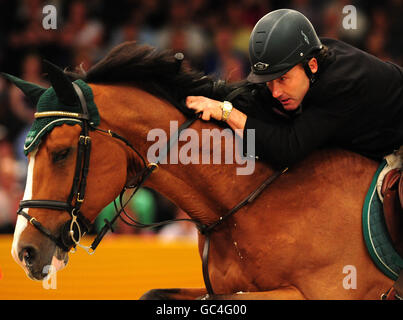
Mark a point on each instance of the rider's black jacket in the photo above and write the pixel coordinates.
(355, 103)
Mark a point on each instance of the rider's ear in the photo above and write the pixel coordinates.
(31, 90)
(313, 65)
(61, 84)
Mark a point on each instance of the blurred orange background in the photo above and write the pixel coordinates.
(123, 267)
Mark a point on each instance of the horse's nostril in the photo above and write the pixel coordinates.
(28, 255)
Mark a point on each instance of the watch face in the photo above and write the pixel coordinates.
(227, 106)
(226, 110)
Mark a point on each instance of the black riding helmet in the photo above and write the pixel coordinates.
(278, 42)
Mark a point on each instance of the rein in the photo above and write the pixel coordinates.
(141, 177)
(73, 230)
(204, 229)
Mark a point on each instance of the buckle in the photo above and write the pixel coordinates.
(85, 138)
(79, 199)
(391, 294)
(153, 166)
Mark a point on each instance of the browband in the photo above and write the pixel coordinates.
(61, 114)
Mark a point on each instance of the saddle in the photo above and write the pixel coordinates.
(392, 192)
(383, 222)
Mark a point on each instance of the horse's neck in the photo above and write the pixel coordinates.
(204, 191)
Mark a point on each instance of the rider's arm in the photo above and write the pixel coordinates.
(213, 109)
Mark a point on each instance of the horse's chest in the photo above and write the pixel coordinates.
(229, 266)
(245, 260)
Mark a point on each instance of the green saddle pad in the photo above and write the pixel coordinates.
(376, 235)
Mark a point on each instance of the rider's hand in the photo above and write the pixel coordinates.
(210, 108)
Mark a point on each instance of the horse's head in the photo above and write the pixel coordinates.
(62, 197)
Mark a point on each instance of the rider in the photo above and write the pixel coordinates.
(313, 93)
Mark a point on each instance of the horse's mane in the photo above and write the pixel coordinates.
(155, 71)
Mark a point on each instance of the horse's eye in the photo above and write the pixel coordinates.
(60, 155)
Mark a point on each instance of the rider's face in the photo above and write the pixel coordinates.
(291, 88)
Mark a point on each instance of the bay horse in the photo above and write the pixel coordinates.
(292, 242)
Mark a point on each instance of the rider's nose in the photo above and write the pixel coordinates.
(276, 91)
(28, 254)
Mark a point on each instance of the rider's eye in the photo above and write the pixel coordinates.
(60, 155)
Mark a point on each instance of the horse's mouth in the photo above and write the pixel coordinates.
(58, 262)
(60, 259)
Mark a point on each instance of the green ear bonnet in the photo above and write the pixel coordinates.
(51, 110)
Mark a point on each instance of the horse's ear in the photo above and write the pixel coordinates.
(61, 84)
(31, 90)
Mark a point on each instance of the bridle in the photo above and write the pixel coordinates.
(72, 231)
